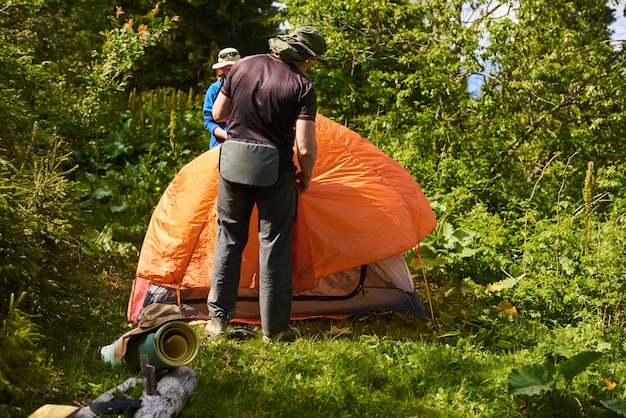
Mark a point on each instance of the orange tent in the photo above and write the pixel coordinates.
(362, 209)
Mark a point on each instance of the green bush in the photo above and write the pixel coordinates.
(37, 241)
(23, 367)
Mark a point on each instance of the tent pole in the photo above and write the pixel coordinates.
(430, 302)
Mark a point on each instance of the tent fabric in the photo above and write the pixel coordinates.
(362, 207)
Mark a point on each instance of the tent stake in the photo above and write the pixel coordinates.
(148, 374)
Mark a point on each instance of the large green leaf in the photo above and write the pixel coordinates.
(617, 407)
(574, 365)
(598, 396)
(532, 380)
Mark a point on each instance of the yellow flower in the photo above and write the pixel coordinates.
(506, 308)
(495, 287)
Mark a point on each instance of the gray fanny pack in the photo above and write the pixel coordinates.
(249, 163)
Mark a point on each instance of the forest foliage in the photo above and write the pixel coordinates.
(510, 115)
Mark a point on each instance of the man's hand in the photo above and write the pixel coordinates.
(220, 134)
(302, 182)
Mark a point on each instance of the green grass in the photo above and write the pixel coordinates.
(385, 365)
(373, 366)
(359, 375)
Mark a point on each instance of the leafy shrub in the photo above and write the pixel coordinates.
(23, 366)
(574, 266)
(36, 241)
(549, 386)
(468, 241)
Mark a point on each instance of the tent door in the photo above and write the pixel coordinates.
(357, 289)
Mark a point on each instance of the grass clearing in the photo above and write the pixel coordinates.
(372, 366)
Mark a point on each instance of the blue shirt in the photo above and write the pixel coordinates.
(209, 123)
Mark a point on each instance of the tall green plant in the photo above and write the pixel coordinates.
(23, 366)
(146, 140)
(38, 224)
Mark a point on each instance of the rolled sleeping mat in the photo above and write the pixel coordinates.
(172, 345)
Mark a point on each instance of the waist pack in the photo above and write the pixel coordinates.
(249, 163)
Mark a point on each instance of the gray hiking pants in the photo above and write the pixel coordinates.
(277, 211)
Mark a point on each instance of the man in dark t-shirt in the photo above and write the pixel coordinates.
(268, 97)
(267, 100)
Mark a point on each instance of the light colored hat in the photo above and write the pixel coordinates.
(227, 56)
(152, 317)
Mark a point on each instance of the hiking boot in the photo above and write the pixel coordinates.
(289, 335)
(216, 327)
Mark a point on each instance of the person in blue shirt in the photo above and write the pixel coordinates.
(225, 60)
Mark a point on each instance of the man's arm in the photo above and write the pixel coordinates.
(222, 108)
(306, 145)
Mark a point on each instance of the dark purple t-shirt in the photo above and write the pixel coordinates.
(268, 96)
